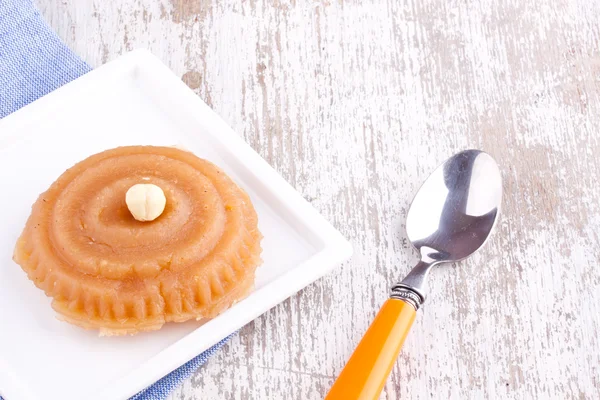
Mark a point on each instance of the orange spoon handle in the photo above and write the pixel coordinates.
(365, 374)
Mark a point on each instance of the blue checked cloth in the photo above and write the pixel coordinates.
(34, 62)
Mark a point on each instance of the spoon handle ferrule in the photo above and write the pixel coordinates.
(407, 294)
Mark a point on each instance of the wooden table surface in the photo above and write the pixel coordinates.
(354, 103)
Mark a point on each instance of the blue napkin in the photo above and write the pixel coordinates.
(34, 62)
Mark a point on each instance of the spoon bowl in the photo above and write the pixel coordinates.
(451, 217)
(454, 212)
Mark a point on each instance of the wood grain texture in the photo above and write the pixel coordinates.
(354, 103)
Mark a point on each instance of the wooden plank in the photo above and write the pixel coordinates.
(355, 102)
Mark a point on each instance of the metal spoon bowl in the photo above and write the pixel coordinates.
(453, 214)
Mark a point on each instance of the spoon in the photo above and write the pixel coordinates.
(450, 218)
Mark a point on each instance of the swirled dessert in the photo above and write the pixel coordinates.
(134, 237)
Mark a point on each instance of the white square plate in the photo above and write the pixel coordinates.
(134, 100)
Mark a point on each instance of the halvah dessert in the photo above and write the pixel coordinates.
(134, 237)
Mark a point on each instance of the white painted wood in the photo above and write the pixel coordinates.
(355, 102)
